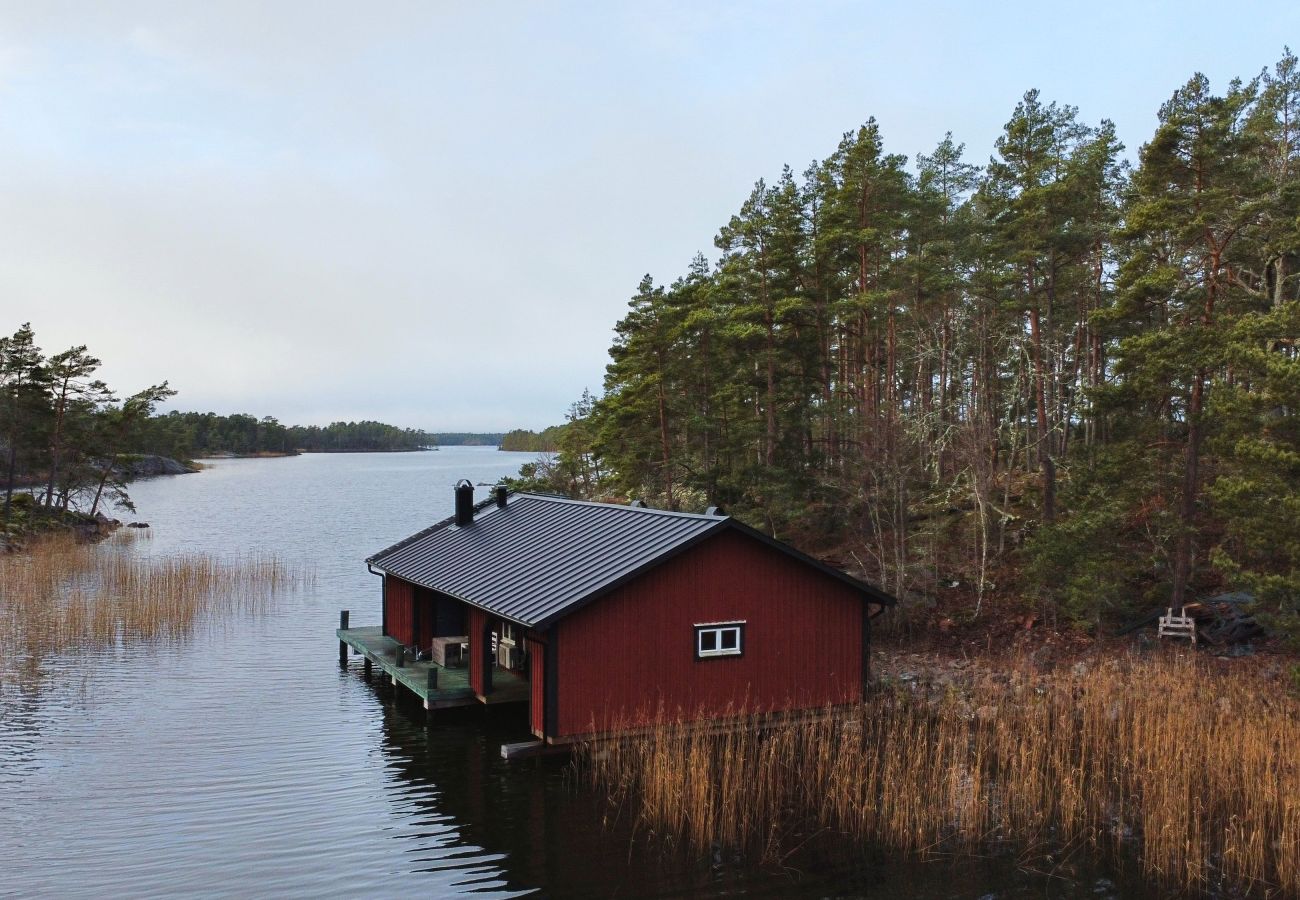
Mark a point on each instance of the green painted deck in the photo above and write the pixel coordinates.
(453, 683)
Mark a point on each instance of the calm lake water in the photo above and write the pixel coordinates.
(242, 762)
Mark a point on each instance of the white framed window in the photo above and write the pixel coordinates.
(719, 639)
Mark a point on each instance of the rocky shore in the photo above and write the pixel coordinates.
(151, 466)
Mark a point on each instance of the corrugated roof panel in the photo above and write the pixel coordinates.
(532, 559)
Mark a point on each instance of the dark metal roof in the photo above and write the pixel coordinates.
(540, 557)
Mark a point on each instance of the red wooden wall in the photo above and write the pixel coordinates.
(632, 652)
(399, 609)
(476, 621)
(537, 684)
(425, 614)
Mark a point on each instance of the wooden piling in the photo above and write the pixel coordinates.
(343, 647)
(365, 667)
(431, 689)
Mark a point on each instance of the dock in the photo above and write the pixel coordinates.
(438, 687)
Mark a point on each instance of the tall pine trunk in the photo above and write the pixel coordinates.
(1044, 450)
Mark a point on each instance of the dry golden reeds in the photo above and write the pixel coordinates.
(64, 595)
(1198, 773)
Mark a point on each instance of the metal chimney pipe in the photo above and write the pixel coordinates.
(464, 502)
(501, 494)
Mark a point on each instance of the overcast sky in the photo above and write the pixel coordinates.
(433, 214)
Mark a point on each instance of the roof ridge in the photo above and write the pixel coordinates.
(550, 498)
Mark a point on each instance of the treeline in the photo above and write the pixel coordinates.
(64, 432)
(521, 439)
(67, 439)
(1054, 377)
(467, 438)
(184, 435)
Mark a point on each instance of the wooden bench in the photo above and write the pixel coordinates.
(1181, 625)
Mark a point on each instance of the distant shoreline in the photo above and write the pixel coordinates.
(263, 454)
(272, 454)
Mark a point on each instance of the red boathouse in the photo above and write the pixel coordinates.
(601, 614)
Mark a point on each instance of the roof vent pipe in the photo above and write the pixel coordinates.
(464, 502)
(714, 511)
(501, 494)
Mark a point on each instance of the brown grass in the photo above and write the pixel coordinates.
(1197, 773)
(62, 595)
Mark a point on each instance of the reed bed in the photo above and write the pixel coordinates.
(63, 595)
(1194, 773)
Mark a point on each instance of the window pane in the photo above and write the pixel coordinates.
(708, 641)
(730, 638)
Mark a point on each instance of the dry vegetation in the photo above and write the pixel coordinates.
(1196, 774)
(64, 595)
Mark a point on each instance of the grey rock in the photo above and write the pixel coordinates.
(151, 466)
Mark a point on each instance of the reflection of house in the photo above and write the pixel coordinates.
(611, 614)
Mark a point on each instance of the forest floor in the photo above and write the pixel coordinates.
(937, 654)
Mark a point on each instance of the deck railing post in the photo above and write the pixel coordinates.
(401, 657)
(343, 647)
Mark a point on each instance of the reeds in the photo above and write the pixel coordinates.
(63, 595)
(1194, 772)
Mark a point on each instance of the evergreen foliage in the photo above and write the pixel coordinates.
(66, 438)
(522, 440)
(1055, 379)
(63, 432)
(187, 434)
(467, 438)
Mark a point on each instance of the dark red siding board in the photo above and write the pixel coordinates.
(631, 654)
(425, 618)
(476, 620)
(537, 685)
(399, 609)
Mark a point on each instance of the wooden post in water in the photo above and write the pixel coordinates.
(365, 667)
(428, 694)
(343, 647)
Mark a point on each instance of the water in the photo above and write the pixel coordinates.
(243, 762)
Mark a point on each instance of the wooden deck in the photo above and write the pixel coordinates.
(453, 688)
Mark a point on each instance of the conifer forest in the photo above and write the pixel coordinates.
(1066, 377)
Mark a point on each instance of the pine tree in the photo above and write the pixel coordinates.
(24, 391)
(1193, 195)
(75, 398)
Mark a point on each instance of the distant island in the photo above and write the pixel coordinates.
(187, 435)
(519, 439)
(467, 438)
(545, 441)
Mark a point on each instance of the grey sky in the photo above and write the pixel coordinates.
(433, 214)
